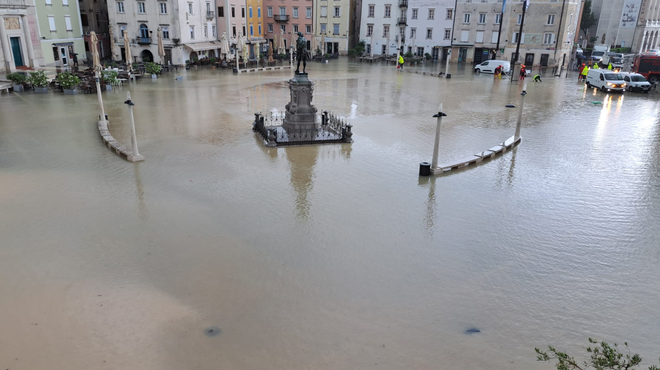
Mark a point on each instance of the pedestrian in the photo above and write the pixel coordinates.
(580, 70)
(401, 61)
(522, 71)
(537, 78)
(596, 66)
(75, 60)
(585, 72)
(591, 63)
(498, 72)
(609, 66)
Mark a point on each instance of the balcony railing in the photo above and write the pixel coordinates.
(403, 3)
(12, 4)
(402, 21)
(210, 15)
(281, 17)
(143, 40)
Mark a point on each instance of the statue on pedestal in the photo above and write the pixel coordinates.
(301, 52)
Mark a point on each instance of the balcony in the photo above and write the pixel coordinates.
(143, 40)
(403, 3)
(210, 15)
(403, 21)
(283, 18)
(13, 4)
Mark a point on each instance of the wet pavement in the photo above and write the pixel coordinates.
(218, 253)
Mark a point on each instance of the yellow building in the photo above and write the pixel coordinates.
(255, 25)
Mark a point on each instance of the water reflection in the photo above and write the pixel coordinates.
(301, 166)
(143, 211)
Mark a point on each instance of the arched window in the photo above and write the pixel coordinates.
(144, 31)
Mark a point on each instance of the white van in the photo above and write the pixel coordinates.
(490, 65)
(605, 80)
(636, 82)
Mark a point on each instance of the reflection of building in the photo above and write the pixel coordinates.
(94, 17)
(189, 29)
(547, 37)
(60, 31)
(288, 16)
(19, 35)
(332, 20)
(419, 27)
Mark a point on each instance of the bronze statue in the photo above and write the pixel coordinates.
(301, 52)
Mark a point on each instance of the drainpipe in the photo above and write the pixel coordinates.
(453, 27)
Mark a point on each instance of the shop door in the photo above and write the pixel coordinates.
(16, 50)
(63, 56)
(529, 60)
(462, 55)
(436, 53)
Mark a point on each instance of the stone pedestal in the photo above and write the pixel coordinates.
(300, 113)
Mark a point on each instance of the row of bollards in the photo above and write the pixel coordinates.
(428, 169)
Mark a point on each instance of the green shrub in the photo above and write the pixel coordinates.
(427, 56)
(213, 60)
(38, 79)
(67, 80)
(16, 78)
(408, 54)
(109, 77)
(153, 68)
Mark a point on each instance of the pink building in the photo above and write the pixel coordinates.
(231, 19)
(290, 16)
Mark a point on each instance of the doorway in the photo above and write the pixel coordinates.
(462, 55)
(16, 50)
(529, 59)
(435, 53)
(64, 56)
(146, 56)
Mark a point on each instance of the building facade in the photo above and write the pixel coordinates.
(617, 22)
(19, 36)
(289, 16)
(331, 28)
(232, 19)
(648, 27)
(415, 26)
(94, 17)
(549, 30)
(60, 31)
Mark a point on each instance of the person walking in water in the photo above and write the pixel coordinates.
(585, 72)
(401, 61)
(523, 71)
(498, 72)
(580, 72)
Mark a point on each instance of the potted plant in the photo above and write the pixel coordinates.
(18, 79)
(69, 82)
(109, 78)
(39, 82)
(153, 68)
(213, 61)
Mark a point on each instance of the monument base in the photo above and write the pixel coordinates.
(300, 114)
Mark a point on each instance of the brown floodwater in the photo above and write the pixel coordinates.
(218, 253)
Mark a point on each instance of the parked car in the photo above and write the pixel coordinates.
(597, 56)
(652, 52)
(490, 65)
(605, 80)
(636, 82)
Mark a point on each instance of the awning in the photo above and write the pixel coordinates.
(201, 46)
(461, 44)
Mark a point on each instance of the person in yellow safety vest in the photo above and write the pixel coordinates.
(596, 66)
(585, 72)
(401, 61)
(609, 66)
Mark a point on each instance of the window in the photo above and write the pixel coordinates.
(450, 14)
(259, 29)
(308, 29)
(515, 38)
(282, 10)
(269, 11)
(258, 12)
(447, 33)
(233, 31)
(283, 27)
(480, 37)
(465, 34)
(371, 11)
(386, 31)
(251, 30)
(67, 22)
(295, 12)
(466, 18)
(519, 18)
(190, 8)
(495, 36)
(244, 32)
(206, 31)
(324, 11)
(413, 32)
(370, 30)
(295, 28)
(498, 18)
(250, 10)
(551, 19)
(270, 27)
(337, 13)
(192, 32)
(144, 31)
(323, 27)
(51, 23)
(233, 12)
(163, 8)
(549, 38)
(388, 11)
(242, 12)
(120, 6)
(65, 2)
(431, 14)
(335, 29)
(221, 11)
(429, 33)
(383, 50)
(414, 13)
(309, 12)
(166, 33)
(482, 18)
(141, 8)
(49, 2)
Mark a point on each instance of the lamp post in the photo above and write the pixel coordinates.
(135, 155)
(520, 32)
(516, 136)
(436, 146)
